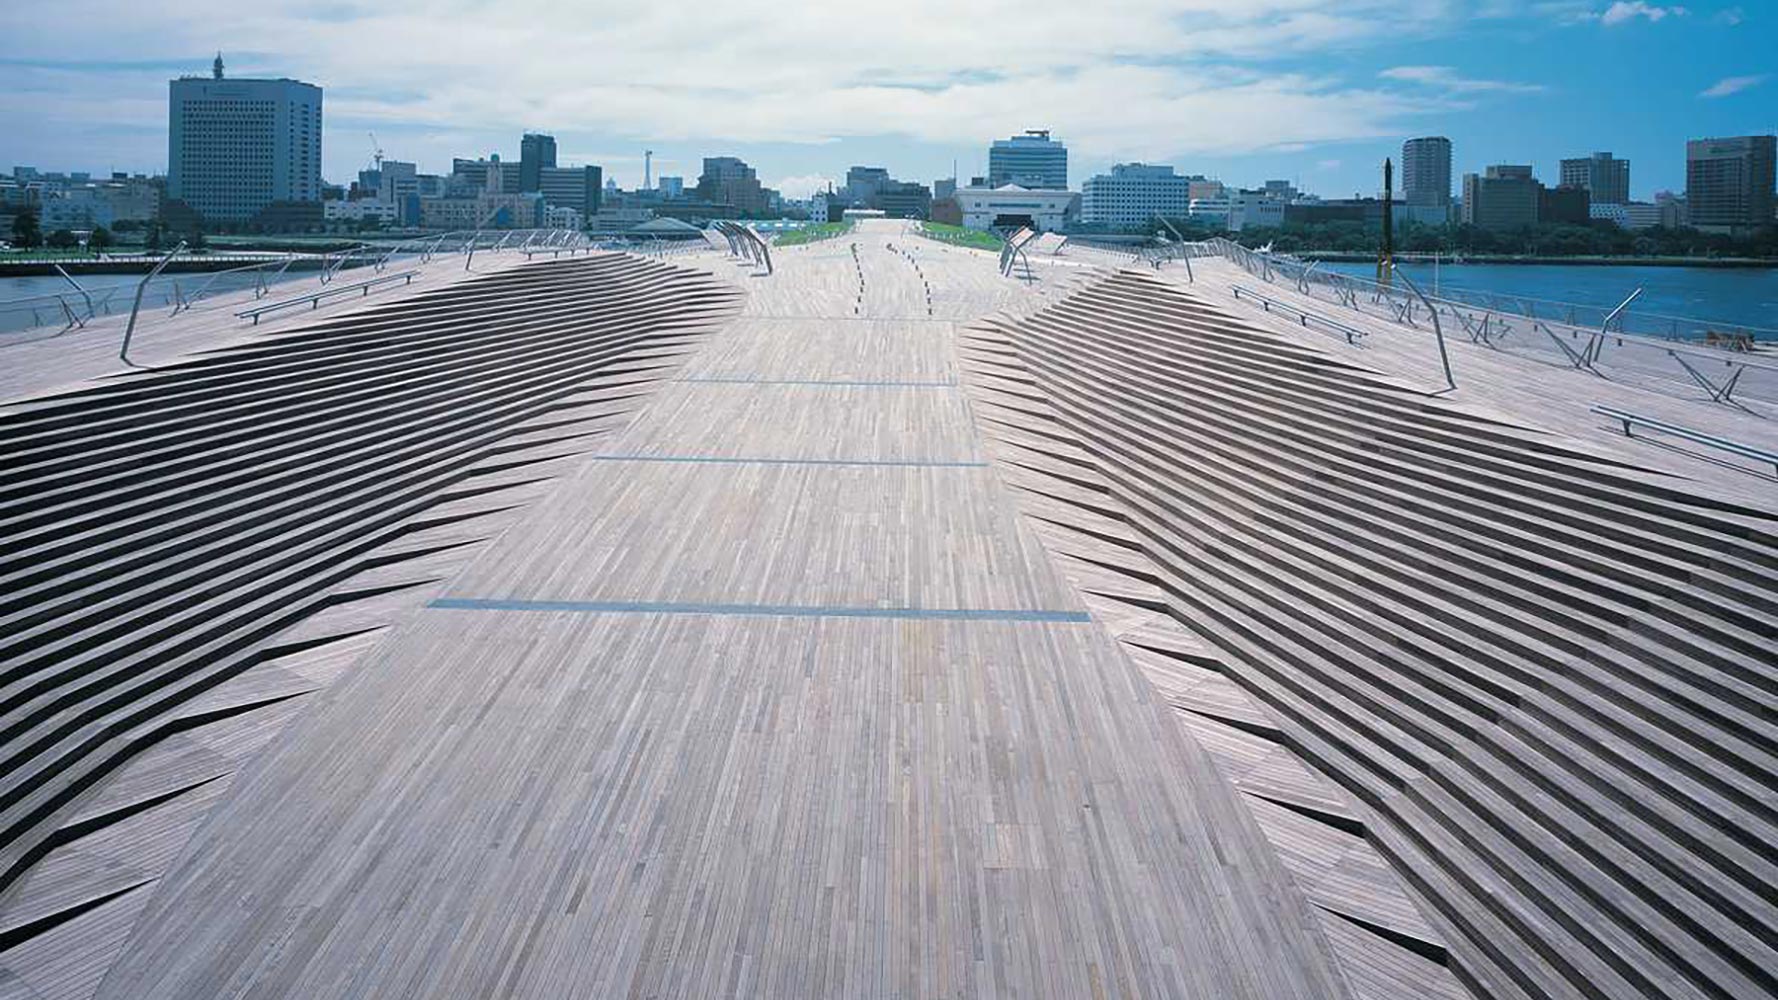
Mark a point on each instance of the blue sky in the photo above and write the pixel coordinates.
(1317, 91)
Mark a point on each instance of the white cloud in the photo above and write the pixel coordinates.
(1118, 79)
(1733, 85)
(1327, 164)
(1446, 78)
(1730, 16)
(804, 185)
(1629, 10)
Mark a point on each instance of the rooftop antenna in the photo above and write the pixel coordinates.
(216, 67)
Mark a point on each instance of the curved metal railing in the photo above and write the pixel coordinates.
(1580, 335)
(181, 292)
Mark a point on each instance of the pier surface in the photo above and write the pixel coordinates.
(883, 626)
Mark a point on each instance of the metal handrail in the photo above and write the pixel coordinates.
(1722, 444)
(1347, 288)
(1352, 334)
(123, 352)
(1438, 329)
(77, 287)
(1533, 308)
(258, 276)
(314, 298)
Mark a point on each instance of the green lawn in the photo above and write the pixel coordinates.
(812, 233)
(959, 236)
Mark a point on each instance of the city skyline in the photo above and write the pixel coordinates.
(1306, 91)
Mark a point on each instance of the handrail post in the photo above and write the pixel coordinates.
(68, 311)
(123, 353)
(70, 280)
(1438, 331)
(1599, 345)
(1302, 279)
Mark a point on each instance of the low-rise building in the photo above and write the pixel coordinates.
(1011, 206)
(1202, 187)
(517, 210)
(86, 205)
(1254, 210)
(1309, 211)
(618, 219)
(562, 217)
(1634, 214)
(363, 209)
(1211, 209)
(1132, 194)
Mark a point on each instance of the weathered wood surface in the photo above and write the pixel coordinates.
(1524, 379)
(162, 532)
(709, 801)
(1545, 679)
(777, 689)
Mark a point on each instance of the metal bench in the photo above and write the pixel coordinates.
(1711, 440)
(1303, 317)
(314, 298)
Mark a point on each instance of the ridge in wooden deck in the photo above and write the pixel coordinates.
(1503, 703)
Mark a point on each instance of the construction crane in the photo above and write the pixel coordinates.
(377, 147)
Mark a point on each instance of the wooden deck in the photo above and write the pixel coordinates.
(774, 695)
(918, 631)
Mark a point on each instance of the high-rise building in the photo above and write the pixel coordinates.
(944, 187)
(1505, 197)
(237, 146)
(398, 185)
(490, 175)
(1605, 179)
(1565, 203)
(672, 187)
(1729, 182)
(904, 199)
(1032, 160)
(579, 188)
(1426, 170)
(1133, 194)
(863, 185)
(728, 180)
(537, 152)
